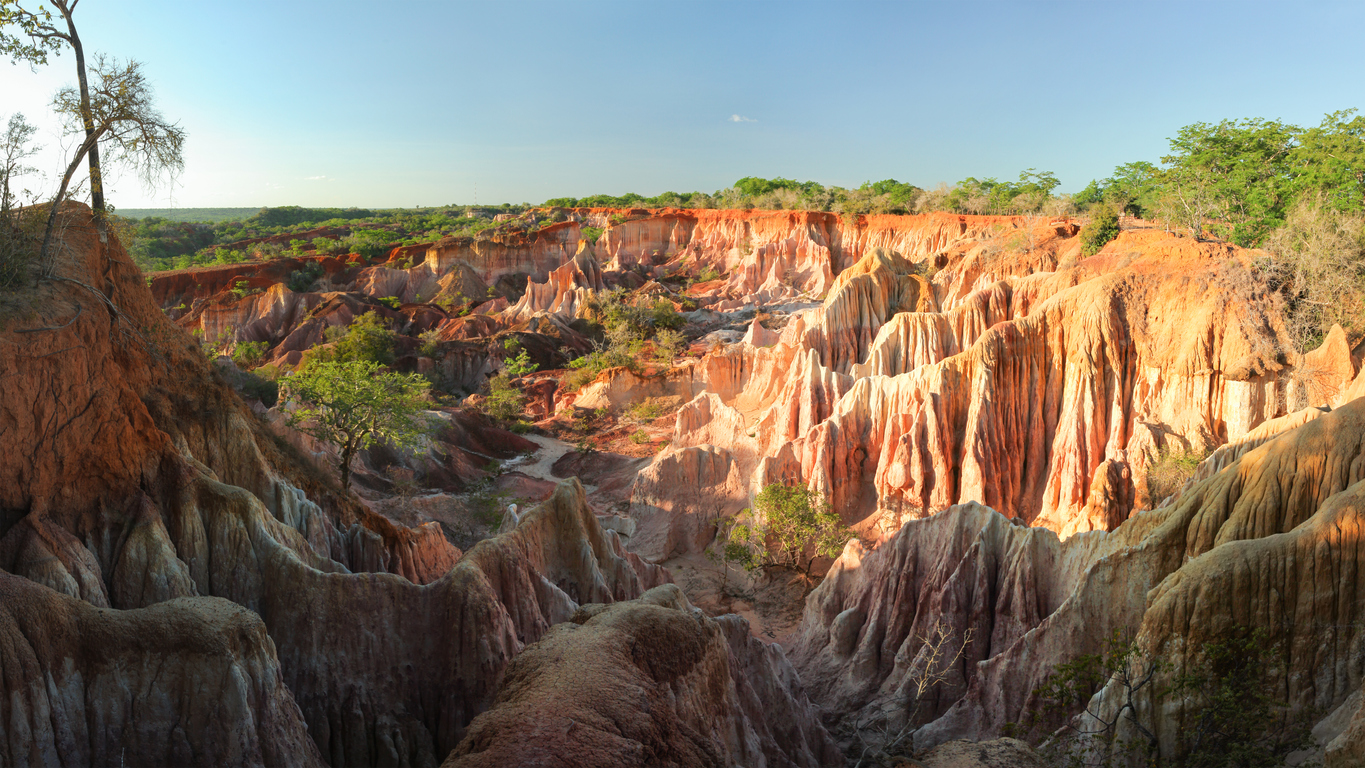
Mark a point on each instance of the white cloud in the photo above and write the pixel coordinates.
(741, 119)
(314, 178)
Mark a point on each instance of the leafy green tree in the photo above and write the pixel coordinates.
(1329, 161)
(520, 365)
(792, 527)
(1133, 187)
(354, 404)
(1232, 177)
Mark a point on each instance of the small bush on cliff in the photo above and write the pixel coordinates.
(1319, 264)
(1167, 475)
(792, 527)
(639, 319)
(667, 344)
(249, 354)
(1103, 227)
(354, 404)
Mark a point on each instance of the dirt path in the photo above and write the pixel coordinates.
(538, 465)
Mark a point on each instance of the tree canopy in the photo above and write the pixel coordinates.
(354, 404)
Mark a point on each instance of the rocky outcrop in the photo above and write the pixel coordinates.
(772, 255)
(1019, 423)
(677, 501)
(1261, 544)
(566, 292)
(1271, 543)
(192, 681)
(652, 681)
(867, 630)
(490, 258)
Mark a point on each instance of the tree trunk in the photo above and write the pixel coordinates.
(347, 454)
(88, 118)
(43, 255)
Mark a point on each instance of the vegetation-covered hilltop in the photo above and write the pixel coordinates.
(1297, 192)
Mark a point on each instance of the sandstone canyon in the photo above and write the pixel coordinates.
(185, 581)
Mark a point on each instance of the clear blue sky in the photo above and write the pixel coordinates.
(380, 104)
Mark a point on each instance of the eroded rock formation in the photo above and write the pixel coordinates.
(651, 681)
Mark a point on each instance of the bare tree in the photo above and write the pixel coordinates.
(933, 666)
(16, 239)
(15, 151)
(126, 120)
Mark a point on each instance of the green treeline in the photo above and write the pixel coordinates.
(158, 243)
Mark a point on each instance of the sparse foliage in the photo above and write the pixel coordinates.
(367, 339)
(118, 115)
(1169, 472)
(1225, 700)
(1319, 261)
(888, 732)
(18, 240)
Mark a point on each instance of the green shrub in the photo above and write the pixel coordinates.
(592, 233)
(504, 401)
(645, 411)
(391, 302)
(640, 319)
(260, 388)
(639, 437)
(329, 245)
(586, 368)
(667, 344)
(1103, 227)
(519, 365)
(249, 354)
(792, 526)
(431, 343)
